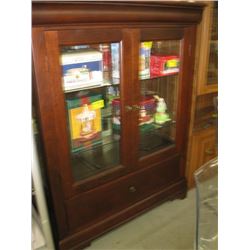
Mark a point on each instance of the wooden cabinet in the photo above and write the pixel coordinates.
(203, 149)
(112, 89)
(204, 111)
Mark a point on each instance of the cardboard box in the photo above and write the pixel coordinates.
(85, 123)
(163, 65)
(81, 69)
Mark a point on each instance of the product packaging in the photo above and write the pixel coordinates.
(164, 65)
(144, 66)
(81, 69)
(85, 124)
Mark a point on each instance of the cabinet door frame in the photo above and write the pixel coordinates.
(50, 94)
(186, 35)
(56, 142)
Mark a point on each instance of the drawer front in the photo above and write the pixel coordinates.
(97, 204)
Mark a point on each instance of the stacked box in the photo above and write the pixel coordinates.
(85, 125)
(163, 65)
(144, 66)
(81, 68)
(115, 59)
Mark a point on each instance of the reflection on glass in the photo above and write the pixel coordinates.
(212, 75)
(91, 81)
(158, 71)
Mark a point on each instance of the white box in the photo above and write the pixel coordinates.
(81, 69)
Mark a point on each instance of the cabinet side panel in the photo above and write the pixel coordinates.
(45, 112)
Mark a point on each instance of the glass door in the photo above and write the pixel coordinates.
(117, 96)
(166, 64)
(91, 86)
(212, 71)
(207, 71)
(159, 66)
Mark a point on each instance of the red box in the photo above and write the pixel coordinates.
(164, 65)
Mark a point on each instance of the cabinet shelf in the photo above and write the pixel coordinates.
(116, 83)
(87, 163)
(103, 85)
(105, 141)
(156, 138)
(152, 142)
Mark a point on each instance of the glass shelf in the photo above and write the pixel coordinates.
(90, 162)
(152, 142)
(103, 85)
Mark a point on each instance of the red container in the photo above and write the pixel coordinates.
(164, 65)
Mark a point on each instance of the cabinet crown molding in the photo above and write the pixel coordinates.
(65, 12)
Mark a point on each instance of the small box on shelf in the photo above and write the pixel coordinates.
(81, 68)
(115, 61)
(161, 65)
(144, 67)
(85, 124)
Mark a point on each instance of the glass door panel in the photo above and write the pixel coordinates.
(90, 81)
(212, 74)
(159, 76)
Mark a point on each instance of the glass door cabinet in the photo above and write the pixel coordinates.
(208, 50)
(113, 99)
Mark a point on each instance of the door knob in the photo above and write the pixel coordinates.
(133, 107)
(132, 189)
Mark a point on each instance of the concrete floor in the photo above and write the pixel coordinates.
(170, 226)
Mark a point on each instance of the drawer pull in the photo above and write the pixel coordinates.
(209, 151)
(132, 189)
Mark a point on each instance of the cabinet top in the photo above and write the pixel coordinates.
(80, 12)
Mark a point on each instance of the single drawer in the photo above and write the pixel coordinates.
(99, 203)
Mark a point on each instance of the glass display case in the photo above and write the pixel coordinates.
(204, 115)
(91, 86)
(208, 50)
(113, 95)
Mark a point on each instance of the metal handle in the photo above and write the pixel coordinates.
(136, 107)
(132, 189)
(133, 107)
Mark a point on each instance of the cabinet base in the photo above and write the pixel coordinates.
(83, 238)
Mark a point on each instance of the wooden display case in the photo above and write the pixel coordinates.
(114, 131)
(204, 111)
(207, 45)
